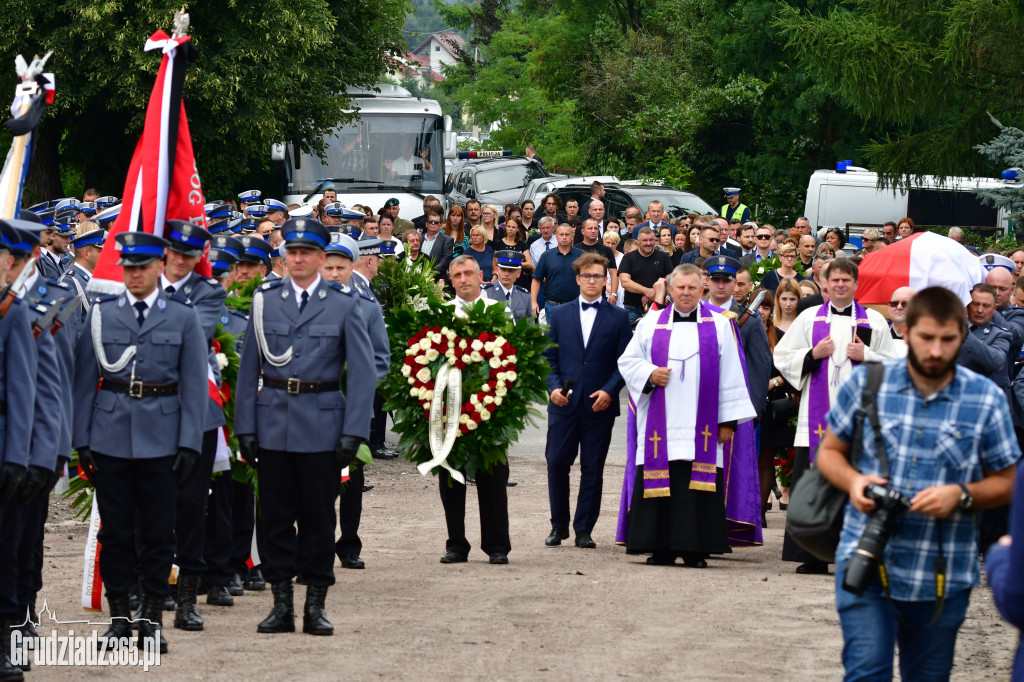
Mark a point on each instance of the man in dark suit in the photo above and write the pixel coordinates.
(437, 246)
(821, 265)
(710, 240)
(589, 336)
(419, 223)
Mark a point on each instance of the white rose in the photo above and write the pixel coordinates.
(497, 351)
(425, 343)
(435, 337)
(485, 416)
(477, 344)
(462, 344)
(485, 388)
(449, 353)
(510, 376)
(476, 357)
(488, 400)
(497, 401)
(448, 333)
(501, 377)
(501, 383)
(423, 374)
(500, 393)
(406, 370)
(511, 359)
(472, 399)
(500, 341)
(421, 359)
(432, 355)
(412, 380)
(222, 360)
(426, 395)
(414, 392)
(489, 347)
(471, 425)
(410, 351)
(451, 360)
(495, 363)
(463, 418)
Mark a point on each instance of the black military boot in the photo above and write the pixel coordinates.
(151, 622)
(235, 589)
(28, 630)
(314, 617)
(282, 615)
(8, 671)
(120, 621)
(186, 615)
(254, 582)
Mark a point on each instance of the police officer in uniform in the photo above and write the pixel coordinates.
(733, 208)
(88, 247)
(18, 361)
(140, 395)
(510, 266)
(293, 420)
(342, 251)
(206, 295)
(254, 261)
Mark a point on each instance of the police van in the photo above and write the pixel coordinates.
(395, 148)
(849, 198)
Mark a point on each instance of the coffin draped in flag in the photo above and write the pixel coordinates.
(921, 260)
(35, 91)
(163, 181)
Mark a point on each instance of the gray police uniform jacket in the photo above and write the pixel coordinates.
(984, 351)
(52, 431)
(207, 297)
(18, 360)
(519, 301)
(47, 268)
(375, 326)
(329, 333)
(234, 323)
(758, 356)
(77, 280)
(170, 349)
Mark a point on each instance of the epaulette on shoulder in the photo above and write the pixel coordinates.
(522, 289)
(58, 284)
(728, 314)
(338, 286)
(211, 281)
(178, 298)
(107, 297)
(270, 284)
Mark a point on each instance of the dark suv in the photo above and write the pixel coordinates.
(497, 181)
(620, 196)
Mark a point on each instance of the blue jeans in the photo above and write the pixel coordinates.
(871, 632)
(635, 313)
(548, 307)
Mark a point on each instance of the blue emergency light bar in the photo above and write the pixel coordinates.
(483, 154)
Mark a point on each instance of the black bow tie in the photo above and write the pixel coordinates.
(846, 311)
(588, 306)
(679, 317)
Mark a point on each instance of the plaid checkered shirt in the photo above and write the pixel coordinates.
(952, 436)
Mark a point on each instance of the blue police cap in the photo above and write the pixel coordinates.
(305, 232)
(88, 208)
(45, 217)
(68, 206)
(510, 259)
(244, 225)
(107, 202)
(369, 246)
(224, 251)
(990, 261)
(219, 226)
(31, 217)
(343, 245)
(731, 191)
(275, 205)
(90, 238)
(250, 196)
(722, 266)
(219, 211)
(23, 236)
(186, 238)
(255, 250)
(108, 214)
(139, 248)
(256, 211)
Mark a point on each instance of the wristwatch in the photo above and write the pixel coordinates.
(965, 497)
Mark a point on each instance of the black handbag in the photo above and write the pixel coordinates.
(782, 409)
(815, 515)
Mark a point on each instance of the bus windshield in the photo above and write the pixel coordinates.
(378, 149)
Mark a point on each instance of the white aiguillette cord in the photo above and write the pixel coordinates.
(449, 378)
(261, 340)
(101, 353)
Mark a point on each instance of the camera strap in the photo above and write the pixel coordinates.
(870, 406)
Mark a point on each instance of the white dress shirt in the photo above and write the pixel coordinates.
(587, 318)
(149, 300)
(310, 289)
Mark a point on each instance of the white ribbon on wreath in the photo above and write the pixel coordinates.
(443, 424)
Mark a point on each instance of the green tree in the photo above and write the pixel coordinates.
(271, 71)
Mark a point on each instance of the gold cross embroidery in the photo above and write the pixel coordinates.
(655, 439)
(706, 433)
(820, 432)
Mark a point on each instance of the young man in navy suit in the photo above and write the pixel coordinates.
(589, 335)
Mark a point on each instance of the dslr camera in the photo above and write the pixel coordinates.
(862, 568)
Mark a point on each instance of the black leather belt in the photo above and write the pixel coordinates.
(137, 389)
(548, 300)
(295, 386)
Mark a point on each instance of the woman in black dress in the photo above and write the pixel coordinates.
(512, 240)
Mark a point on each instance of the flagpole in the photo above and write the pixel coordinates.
(18, 151)
(27, 90)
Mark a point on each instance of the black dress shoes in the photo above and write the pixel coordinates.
(510, 484)
(499, 558)
(254, 582)
(352, 561)
(218, 595)
(813, 568)
(584, 541)
(367, 488)
(384, 452)
(661, 560)
(556, 537)
(695, 560)
(452, 557)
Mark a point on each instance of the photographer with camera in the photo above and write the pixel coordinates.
(908, 552)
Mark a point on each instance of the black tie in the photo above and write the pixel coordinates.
(847, 311)
(587, 306)
(305, 300)
(508, 295)
(169, 290)
(141, 307)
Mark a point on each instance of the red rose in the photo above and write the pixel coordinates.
(492, 407)
(460, 364)
(475, 416)
(508, 349)
(463, 428)
(437, 329)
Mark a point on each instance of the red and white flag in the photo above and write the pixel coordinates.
(921, 260)
(163, 181)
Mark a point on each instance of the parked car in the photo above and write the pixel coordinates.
(619, 197)
(497, 181)
(541, 187)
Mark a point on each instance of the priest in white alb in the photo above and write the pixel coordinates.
(817, 354)
(684, 376)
